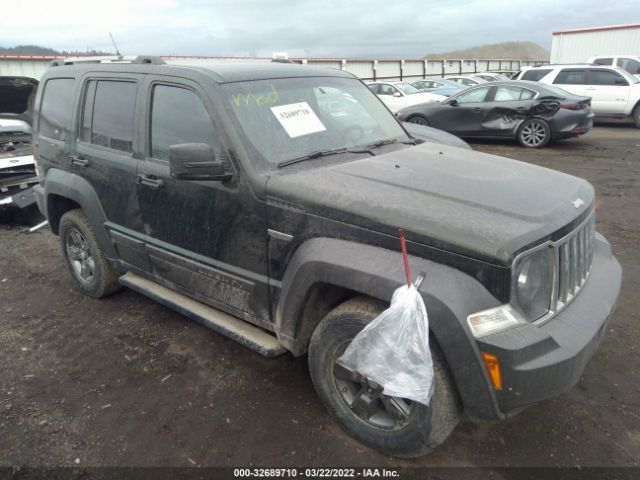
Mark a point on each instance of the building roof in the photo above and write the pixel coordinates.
(597, 29)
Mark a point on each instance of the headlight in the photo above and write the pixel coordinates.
(532, 283)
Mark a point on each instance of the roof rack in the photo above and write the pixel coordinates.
(140, 59)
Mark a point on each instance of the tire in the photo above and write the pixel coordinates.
(422, 430)
(636, 116)
(534, 133)
(89, 267)
(418, 120)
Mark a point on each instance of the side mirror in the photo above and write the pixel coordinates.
(453, 102)
(397, 94)
(621, 81)
(195, 161)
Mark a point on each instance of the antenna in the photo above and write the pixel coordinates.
(116, 46)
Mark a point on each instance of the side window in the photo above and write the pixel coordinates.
(571, 77)
(606, 77)
(629, 64)
(386, 90)
(603, 61)
(107, 114)
(374, 88)
(507, 94)
(179, 116)
(474, 96)
(57, 108)
(535, 75)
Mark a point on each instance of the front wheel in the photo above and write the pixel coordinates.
(534, 133)
(395, 426)
(419, 120)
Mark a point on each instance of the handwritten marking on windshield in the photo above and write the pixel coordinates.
(260, 100)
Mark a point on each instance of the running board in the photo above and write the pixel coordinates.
(239, 330)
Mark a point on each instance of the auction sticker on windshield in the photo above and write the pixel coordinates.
(298, 119)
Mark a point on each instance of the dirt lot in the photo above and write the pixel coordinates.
(125, 381)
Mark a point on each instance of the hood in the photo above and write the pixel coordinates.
(17, 95)
(430, 134)
(472, 203)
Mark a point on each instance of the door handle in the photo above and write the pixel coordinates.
(477, 109)
(78, 161)
(149, 181)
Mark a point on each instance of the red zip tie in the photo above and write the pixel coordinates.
(405, 257)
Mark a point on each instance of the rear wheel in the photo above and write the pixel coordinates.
(395, 426)
(534, 133)
(418, 120)
(83, 255)
(636, 116)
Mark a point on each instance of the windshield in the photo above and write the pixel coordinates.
(285, 119)
(406, 88)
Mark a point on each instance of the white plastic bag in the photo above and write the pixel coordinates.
(393, 350)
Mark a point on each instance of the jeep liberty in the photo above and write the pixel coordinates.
(263, 200)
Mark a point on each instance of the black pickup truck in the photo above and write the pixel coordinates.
(264, 201)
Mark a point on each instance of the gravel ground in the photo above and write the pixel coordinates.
(126, 382)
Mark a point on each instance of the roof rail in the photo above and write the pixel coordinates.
(140, 59)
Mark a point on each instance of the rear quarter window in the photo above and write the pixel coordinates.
(57, 108)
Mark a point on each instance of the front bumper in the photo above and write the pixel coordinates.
(17, 200)
(539, 362)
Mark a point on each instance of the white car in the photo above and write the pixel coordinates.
(399, 95)
(614, 92)
(468, 80)
(630, 63)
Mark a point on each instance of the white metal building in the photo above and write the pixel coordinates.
(576, 46)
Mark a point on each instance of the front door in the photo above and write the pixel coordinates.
(462, 114)
(206, 238)
(609, 91)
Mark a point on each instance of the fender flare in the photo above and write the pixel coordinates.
(450, 296)
(76, 188)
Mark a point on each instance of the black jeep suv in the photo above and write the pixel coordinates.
(263, 200)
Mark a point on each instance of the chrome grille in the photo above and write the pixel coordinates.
(574, 255)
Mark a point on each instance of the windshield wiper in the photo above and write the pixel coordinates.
(390, 141)
(323, 153)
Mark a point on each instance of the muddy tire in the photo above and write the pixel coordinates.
(89, 267)
(636, 116)
(406, 429)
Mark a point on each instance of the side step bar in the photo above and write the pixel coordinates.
(246, 334)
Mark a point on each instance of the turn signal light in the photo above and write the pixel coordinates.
(493, 367)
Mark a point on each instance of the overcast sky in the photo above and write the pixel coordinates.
(348, 28)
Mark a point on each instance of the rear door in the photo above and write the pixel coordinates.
(105, 153)
(506, 107)
(609, 91)
(573, 80)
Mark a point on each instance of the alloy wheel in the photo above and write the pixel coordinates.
(80, 256)
(365, 399)
(533, 134)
